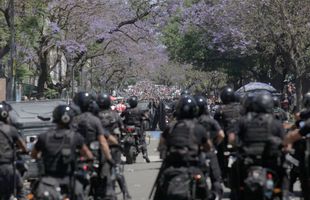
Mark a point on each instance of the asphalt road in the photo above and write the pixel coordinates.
(141, 176)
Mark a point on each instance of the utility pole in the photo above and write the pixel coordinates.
(11, 74)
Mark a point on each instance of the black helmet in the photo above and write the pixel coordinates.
(185, 92)
(263, 103)
(227, 95)
(4, 111)
(276, 101)
(248, 103)
(133, 101)
(202, 104)
(306, 100)
(63, 114)
(104, 101)
(83, 100)
(186, 108)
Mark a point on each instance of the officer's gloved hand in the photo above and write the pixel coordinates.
(112, 162)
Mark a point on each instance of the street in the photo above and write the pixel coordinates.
(141, 176)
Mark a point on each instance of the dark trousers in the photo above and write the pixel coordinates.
(119, 175)
(215, 174)
(105, 189)
(7, 182)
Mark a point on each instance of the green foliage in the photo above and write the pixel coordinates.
(51, 93)
(23, 72)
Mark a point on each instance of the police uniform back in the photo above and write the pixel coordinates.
(8, 138)
(228, 114)
(184, 141)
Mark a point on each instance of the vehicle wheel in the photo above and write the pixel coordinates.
(130, 155)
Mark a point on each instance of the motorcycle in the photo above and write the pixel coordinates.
(131, 144)
(256, 182)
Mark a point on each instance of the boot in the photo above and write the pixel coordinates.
(145, 156)
(126, 196)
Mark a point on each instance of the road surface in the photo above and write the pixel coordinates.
(141, 176)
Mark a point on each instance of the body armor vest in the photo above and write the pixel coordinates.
(257, 135)
(230, 114)
(133, 117)
(85, 127)
(6, 144)
(181, 142)
(59, 156)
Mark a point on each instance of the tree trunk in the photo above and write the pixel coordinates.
(298, 91)
(43, 74)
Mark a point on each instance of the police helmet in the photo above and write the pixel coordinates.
(4, 111)
(104, 101)
(186, 108)
(306, 100)
(202, 104)
(185, 92)
(227, 95)
(83, 100)
(276, 101)
(263, 103)
(63, 114)
(248, 103)
(133, 101)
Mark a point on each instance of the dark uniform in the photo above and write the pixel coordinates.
(90, 127)
(184, 142)
(8, 138)
(227, 116)
(212, 127)
(300, 148)
(260, 136)
(113, 122)
(303, 148)
(134, 117)
(58, 149)
(179, 136)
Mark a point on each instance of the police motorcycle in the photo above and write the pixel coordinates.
(87, 172)
(130, 142)
(257, 181)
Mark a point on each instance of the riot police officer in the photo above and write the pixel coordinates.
(58, 148)
(135, 116)
(216, 135)
(299, 138)
(259, 140)
(90, 127)
(112, 121)
(185, 140)
(229, 112)
(10, 179)
(227, 115)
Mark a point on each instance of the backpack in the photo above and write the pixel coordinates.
(175, 184)
(47, 188)
(178, 183)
